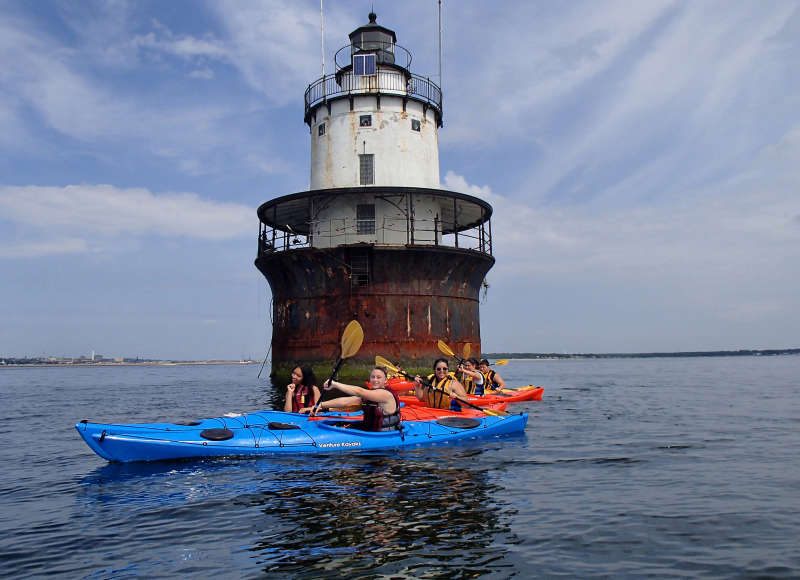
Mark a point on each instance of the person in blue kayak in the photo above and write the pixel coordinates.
(447, 389)
(472, 378)
(493, 380)
(302, 391)
(380, 406)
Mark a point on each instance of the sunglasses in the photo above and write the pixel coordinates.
(441, 368)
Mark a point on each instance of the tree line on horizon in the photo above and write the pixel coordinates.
(551, 355)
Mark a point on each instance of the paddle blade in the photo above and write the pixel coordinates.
(467, 350)
(500, 362)
(386, 363)
(445, 349)
(352, 337)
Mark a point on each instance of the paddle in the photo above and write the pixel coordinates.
(380, 361)
(466, 351)
(448, 351)
(352, 337)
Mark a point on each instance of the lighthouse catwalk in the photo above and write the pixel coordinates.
(375, 238)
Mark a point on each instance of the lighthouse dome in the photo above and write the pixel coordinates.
(373, 37)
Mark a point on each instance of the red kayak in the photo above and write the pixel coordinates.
(527, 393)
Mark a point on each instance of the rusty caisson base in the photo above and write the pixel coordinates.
(406, 298)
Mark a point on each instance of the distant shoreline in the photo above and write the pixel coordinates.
(688, 354)
(126, 364)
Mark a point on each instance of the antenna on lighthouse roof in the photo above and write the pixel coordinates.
(322, 39)
(440, 46)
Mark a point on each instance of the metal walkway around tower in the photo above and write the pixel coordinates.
(292, 221)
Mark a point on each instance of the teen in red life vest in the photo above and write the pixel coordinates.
(302, 391)
(380, 406)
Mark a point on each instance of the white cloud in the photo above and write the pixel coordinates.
(693, 236)
(622, 100)
(271, 43)
(205, 74)
(53, 247)
(74, 218)
(185, 47)
(729, 254)
(35, 75)
(554, 54)
(42, 79)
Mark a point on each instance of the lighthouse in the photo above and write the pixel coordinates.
(375, 238)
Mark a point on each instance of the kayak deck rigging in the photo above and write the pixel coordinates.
(266, 432)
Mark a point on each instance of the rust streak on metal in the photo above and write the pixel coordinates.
(314, 298)
(429, 318)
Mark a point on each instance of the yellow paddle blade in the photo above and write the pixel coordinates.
(500, 362)
(467, 350)
(445, 349)
(352, 337)
(387, 364)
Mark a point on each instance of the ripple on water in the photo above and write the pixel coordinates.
(627, 468)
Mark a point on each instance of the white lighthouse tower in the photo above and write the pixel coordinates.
(375, 238)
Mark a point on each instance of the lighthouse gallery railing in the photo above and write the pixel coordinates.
(345, 231)
(385, 82)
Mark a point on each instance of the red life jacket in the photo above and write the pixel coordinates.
(303, 397)
(374, 418)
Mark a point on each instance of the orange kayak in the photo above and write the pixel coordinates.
(515, 395)
(421, 413)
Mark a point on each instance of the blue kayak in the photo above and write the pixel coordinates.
(275, 432)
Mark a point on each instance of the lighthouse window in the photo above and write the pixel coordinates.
(415, 125)
(321, 130)
(365, 121)
(365, 218)
(363, 64)
(366, 169)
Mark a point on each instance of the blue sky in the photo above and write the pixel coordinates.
(642, 159)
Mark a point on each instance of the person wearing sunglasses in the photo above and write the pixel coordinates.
(447, 389)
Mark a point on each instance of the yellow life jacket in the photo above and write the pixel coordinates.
(439, 398)
(469, 384)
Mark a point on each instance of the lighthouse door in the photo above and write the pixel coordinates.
(359, 267)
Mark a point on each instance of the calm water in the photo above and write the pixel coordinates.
(628, 468)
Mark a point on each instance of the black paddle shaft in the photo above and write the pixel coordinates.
(329, 382)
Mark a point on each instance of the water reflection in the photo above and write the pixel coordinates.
(431, 511)
(274, 394)
(384, 514)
